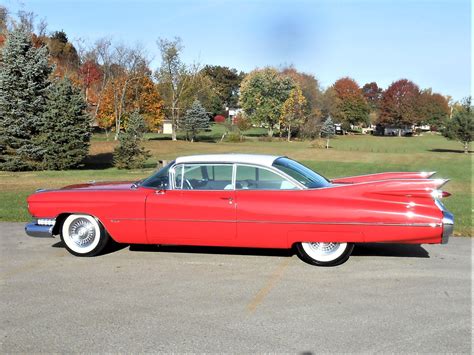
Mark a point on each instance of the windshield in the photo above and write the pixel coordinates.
(301, 173)
(159, 180)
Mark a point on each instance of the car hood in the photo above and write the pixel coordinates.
(110, 185)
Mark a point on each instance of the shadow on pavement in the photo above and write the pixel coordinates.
(370, 249)
(210, 250)
(111, 247)
(393, 250)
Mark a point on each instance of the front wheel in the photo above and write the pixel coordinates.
(324, 254)
(83, 235)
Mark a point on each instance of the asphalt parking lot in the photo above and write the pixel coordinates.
(386, 298)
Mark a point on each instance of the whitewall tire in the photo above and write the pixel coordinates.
(324, 254)
(83, 235)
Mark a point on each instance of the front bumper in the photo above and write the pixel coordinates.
(39, 231)
(448, 226)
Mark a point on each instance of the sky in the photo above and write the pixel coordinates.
(428, 42)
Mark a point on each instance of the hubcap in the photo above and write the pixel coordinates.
(82, 232)
(324, 248)
(324, 252)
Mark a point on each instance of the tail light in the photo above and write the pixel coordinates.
(440, 194)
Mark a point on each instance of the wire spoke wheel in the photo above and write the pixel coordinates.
(83, 235)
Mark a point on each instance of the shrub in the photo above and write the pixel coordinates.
(234, 137)
(219, 119)
(318, 143)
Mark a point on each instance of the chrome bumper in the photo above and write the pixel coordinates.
(448, 226)
(35, 230)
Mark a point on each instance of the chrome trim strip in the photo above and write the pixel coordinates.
(300, 222)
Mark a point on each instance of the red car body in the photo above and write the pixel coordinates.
(389, 207)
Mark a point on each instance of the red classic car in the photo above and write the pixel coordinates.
(243, 200)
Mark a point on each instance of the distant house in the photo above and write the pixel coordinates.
(233, 112)
(398, 130)
(167, 127)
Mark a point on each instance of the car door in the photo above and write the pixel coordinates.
(198, 209)
(264, 203)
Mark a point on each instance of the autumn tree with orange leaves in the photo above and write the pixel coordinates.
(399, 106)
(351, 106)
(140, 95)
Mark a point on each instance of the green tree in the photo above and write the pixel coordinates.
(225, 83)
(65, 133)
(262, 94)
(327, 130)
(24, 72)
(461, 126)
(195, 120)
(130, 154)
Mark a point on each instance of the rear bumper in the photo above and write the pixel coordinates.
(35, 230)
(448, 226)
(447, 222)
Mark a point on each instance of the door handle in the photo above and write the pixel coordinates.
(230, 199)
(159, 192)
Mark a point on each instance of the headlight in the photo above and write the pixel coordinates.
(46, 221)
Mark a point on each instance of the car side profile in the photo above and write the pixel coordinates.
(244, 200)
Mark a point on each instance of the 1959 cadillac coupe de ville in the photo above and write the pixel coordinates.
(240, 200)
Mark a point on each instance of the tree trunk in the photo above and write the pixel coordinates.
(466, 147)
(223, 136)
(289, 133)
(174, 119)
(270, 131)
(327, 143)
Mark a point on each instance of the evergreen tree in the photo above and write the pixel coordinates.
(195, 120)
(461, 126)
(65, 133)
(328, 130)
(130, 154)
(24, 72)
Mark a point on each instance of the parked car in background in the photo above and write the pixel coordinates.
(240, 200)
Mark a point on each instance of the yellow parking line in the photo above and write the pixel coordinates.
(265, 290)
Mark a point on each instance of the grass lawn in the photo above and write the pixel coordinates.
(348, 155)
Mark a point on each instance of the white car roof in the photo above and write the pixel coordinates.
(259, 159)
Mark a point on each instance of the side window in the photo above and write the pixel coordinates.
(253, 178)
(203, 177)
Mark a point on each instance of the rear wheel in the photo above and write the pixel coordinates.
(324, 254)
(83, 235)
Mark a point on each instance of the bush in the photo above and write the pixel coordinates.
(234, 137)
(318, 143)
(219, 119)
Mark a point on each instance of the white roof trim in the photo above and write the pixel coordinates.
(259, 159)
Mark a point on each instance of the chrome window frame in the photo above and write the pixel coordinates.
(172, 174)
(272, 169)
